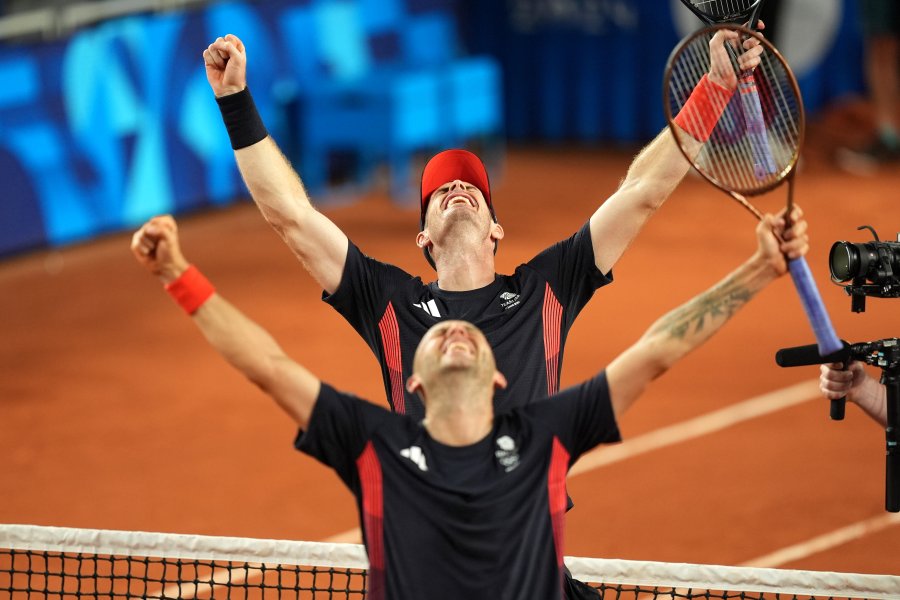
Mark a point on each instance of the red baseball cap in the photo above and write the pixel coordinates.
(451, 165)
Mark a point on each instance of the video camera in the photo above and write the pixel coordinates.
(872, 268)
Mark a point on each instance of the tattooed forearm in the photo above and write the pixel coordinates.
(713, 307)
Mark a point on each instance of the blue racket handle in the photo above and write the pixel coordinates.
(763, 163)
(818, 317)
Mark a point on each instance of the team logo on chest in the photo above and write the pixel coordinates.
(508, 300)
(507, 453)
(415, 454)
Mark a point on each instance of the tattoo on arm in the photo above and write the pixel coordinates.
(717, 304)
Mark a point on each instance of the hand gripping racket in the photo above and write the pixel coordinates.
(742, 12)
(708, 126)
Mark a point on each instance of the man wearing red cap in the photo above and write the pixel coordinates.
(446, 167)
(525, 316)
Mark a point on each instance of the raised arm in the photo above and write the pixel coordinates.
(857, 386)
(661, 166)
(240, 341)
(274, 185)
(690, 325)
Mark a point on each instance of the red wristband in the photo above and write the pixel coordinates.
(701, 112)
(190, 290)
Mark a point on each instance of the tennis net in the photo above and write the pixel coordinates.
(58, 562)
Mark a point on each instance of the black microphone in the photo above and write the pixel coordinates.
(802, 356)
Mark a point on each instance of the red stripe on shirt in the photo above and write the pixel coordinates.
(557, 498)
(390, 345)
(552, 315)
(370, 481)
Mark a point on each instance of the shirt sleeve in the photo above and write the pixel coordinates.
(571, 270)
(581, 416)
(362, 296)
(339, 428)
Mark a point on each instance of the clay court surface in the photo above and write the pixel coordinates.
(115, 414)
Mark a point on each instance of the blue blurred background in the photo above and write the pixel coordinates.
(106, 117)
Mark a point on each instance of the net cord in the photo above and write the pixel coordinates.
(176, 545)
(745, 579)
(320, 554)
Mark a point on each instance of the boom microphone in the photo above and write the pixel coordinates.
(802, 356)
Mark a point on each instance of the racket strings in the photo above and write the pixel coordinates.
(722, 161)
(730, 157)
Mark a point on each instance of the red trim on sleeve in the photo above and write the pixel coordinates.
(390, 345)
(370, 479)
(552, 315)
(557, 498)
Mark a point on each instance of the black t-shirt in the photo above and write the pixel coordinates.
(479, 521)
(525, 316)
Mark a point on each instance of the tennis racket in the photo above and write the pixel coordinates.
(742, 12)
(712, 136)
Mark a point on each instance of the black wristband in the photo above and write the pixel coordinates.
(242, 120)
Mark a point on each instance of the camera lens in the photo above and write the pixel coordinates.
(843, 260)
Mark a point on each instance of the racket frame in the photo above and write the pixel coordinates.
(750, 16)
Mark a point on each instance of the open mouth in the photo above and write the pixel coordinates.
(457, 199)
(459, 346)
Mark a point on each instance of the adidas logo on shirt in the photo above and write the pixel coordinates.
(415, 454)
(430, 307)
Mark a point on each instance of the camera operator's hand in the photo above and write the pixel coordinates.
(857, 386)
(836, 382)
